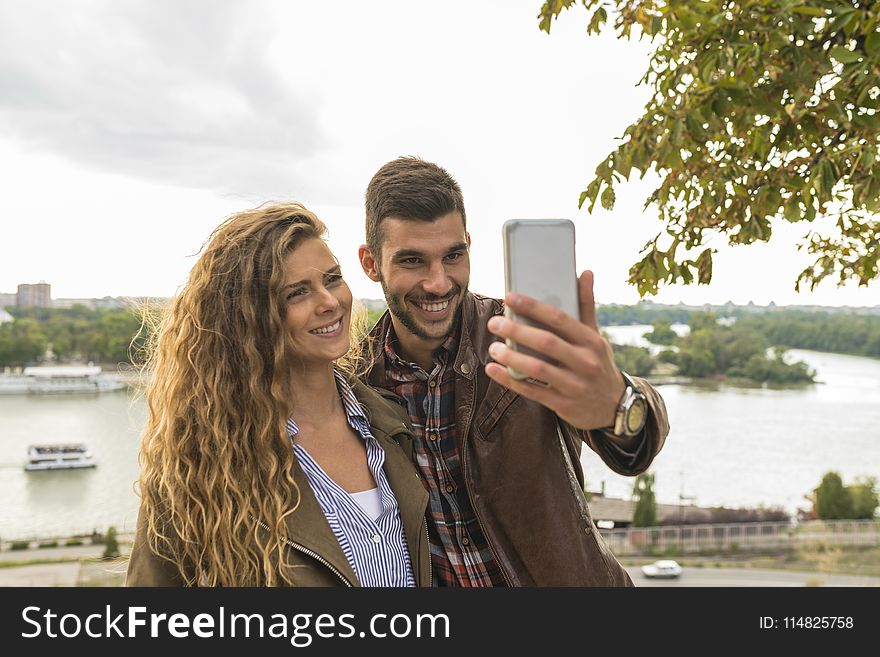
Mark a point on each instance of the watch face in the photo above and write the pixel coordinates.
(635, 418)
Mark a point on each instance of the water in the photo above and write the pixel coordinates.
(735, 447)
(727, 446)
(65, 502)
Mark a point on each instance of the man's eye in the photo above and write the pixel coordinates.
(453, 257)
(409, 261)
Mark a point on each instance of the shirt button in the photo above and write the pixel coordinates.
(432, 434)
(465, 541)
(432, 383)
(376, 538)
(450, 488)
(465, 368)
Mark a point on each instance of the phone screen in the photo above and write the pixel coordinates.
(539, 261)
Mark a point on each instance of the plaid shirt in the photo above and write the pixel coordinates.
(460, 553)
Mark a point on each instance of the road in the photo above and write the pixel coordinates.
(727, 577)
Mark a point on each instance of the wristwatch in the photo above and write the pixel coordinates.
(632, 411)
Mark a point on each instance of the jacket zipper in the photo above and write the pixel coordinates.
(430, 564)
(308, 552)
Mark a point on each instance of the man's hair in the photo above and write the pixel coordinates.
(409, 188)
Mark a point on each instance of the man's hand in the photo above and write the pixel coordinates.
(586, 386)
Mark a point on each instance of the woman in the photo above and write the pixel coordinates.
(264, 462)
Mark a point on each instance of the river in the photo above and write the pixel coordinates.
(727, 446)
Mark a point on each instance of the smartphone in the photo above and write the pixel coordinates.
(539, 261)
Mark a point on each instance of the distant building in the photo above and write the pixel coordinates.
(612, 512)
(8, 300)
(36, 295)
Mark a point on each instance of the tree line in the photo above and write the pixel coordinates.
(831, 500)
(72, 334)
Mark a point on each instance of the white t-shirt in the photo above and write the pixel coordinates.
(370, 501)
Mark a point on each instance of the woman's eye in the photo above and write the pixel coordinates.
(333, 278)
(298, 292)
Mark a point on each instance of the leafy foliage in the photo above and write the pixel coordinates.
(634, 360)
(78, 333)
(834, 501)
(736, 351)
(761, 111)
(661, 333)
(645, 512)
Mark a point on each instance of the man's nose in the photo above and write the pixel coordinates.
(437, 281)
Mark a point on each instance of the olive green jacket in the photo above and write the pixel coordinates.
(313, 551)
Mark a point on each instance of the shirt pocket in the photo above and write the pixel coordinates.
(497, 402)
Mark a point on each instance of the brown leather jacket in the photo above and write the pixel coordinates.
(522, 469)
(313, 551)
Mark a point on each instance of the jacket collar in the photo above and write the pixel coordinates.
(467, 359)
(308, 526)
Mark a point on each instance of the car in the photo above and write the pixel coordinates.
(666, 568)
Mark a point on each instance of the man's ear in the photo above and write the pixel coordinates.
(368, 263)
(467, 237)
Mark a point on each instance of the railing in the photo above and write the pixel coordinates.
(742, 536)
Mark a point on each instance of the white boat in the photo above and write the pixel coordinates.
(59, 379)
(59, 456)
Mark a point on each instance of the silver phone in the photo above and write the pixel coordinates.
(539, 260)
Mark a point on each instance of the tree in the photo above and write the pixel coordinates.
(111, 545)
(864, 498)
(634, 360)
(645, 513)
(661, 333)
(761, 111)
(833, 501)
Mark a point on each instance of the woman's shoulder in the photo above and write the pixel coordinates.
(385, 409)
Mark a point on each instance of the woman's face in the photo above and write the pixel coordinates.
(316, 302)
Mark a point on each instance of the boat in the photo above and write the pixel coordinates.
(60, 379)
(59, 456)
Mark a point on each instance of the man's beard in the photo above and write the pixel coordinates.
(398, 307)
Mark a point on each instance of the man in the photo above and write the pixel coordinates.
(500, 457)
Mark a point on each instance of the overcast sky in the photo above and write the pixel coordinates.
(130, 129)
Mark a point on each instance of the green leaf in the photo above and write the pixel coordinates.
(869, 121)
(844, 55)
(792, 210)
(810, 212)
(872, 44)
(704, 267)
(608, 198)
(809, 11)
(591, 193)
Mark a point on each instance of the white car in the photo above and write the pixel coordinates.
(662, 568)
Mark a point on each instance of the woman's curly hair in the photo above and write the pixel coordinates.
(216, 480)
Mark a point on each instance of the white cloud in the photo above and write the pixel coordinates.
(131, 129)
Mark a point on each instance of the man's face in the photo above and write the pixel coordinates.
(424, 272)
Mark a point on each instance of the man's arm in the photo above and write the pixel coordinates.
(585, 387)
(631, 456)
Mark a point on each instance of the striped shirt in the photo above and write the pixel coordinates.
(375, 549)
(460, 553)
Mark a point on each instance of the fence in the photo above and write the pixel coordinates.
(757, 536)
